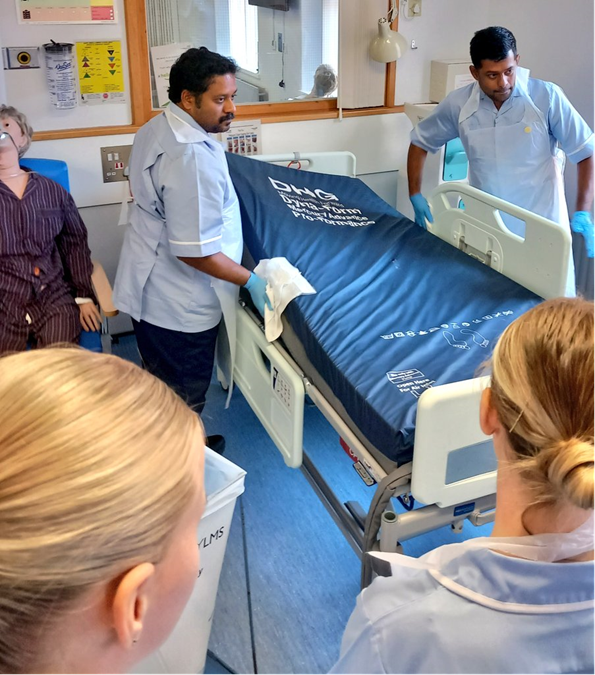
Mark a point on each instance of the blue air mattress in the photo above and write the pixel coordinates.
(397, 310)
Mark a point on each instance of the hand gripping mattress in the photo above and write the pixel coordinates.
(397, 310)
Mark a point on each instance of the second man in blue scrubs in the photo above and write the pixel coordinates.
(510, 126)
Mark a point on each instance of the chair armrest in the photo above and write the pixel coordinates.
(103, 290)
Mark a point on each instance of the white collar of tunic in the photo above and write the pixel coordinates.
(472, 104)
(185, 129)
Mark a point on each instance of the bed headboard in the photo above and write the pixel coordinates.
(538, 262)
(339, 163)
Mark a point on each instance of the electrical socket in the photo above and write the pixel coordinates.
(114, 162)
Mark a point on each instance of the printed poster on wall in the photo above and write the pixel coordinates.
(163, 58)
(66, 11)
(243, 138)
(100, 72)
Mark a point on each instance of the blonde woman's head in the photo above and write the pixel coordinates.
(542, 391)
(100, 494)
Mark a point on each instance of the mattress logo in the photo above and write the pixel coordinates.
(302, 192)
(318, 205)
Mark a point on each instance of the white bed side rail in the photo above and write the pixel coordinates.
(272, 387)
(338, 163)
(453, 460)
(538, 262)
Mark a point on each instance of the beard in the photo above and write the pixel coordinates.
(226, 120)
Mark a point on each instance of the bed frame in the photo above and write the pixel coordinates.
(453, 468)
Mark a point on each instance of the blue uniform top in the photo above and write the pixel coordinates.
(566, 126)
(512, 151)
(184, 205)
(483, 612)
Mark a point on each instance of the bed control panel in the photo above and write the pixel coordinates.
(281, 388)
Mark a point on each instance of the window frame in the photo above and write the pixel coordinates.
(141, 101)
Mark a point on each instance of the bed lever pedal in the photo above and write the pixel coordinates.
(485, 258)
(357, 513)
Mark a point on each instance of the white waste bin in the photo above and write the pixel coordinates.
(185, 651)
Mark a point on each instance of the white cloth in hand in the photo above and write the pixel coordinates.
(284, 283)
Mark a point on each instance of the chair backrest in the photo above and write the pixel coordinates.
(55, 169)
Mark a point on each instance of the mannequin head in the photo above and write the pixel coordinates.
(325, 81)
(101, 491)
(15, 123)
(539, 407)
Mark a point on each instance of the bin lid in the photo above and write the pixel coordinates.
(58, 47)
(224, 481)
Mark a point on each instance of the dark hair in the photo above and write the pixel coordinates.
(493, 43)
(195, 70)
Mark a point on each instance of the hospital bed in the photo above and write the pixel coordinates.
(390, 345)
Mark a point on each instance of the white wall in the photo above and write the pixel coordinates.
(27, 89)
(443, 31)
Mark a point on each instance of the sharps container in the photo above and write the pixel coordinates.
(59, 61)
(185, 651)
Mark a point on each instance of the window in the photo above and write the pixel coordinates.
(237, 33)
(320, 43)
(278, 51)
(170, 21)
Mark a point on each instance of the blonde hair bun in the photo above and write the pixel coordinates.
(569, 468)
(542, 390)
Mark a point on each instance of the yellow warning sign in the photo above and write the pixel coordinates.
(100, 72)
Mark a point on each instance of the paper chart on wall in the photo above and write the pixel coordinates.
(66, 11)
(163, 58)
(100, 72)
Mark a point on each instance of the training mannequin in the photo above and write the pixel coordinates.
(46, 294)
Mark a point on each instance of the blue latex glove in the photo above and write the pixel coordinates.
(257, 287)
(422, 210)
(582, 223)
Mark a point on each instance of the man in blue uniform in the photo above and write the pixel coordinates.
(179, 270)
(510, 126)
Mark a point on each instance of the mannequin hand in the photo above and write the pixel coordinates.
(257, 287)
(90, 317)
(582, 224)
(422, 210)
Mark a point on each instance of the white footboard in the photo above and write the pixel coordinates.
(272, 387)
(453, 461)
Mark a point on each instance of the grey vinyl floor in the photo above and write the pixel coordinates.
(289, 579)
